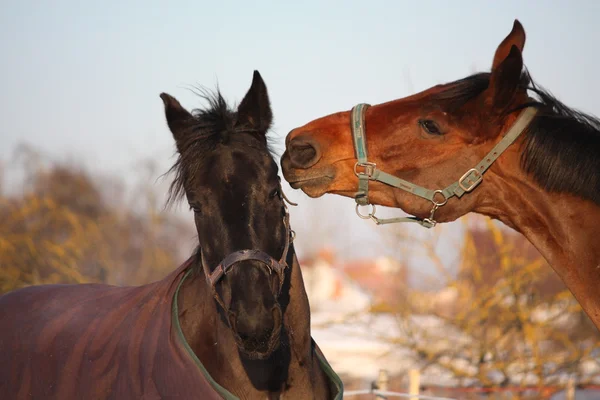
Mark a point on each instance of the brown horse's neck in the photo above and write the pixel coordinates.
(212, 341)
(564, 229)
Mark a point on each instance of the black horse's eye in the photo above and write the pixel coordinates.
(195, 208)
(430, 127)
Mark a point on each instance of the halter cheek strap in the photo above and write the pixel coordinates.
(367, 171)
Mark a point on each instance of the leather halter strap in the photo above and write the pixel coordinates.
(231, 259)
(467, 182)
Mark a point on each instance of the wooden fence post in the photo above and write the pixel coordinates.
(414, 381)
(570, 389)
(382, 382)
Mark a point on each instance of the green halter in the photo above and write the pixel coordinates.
(467, 182)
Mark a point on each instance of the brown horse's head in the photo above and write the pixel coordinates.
(430, 139)
(227, 173)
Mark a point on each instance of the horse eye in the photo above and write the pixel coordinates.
(195, 208)
(430, 127)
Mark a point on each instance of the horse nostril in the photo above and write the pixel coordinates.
(304, 152)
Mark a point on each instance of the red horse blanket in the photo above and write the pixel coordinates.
(109, 343)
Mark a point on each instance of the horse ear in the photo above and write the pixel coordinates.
(505, 79)
(178, 118)
(516, 37)
(506, 68)
(255, 108)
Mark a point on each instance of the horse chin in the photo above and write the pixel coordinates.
(314, 191)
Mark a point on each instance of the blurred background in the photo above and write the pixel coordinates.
(84, 148)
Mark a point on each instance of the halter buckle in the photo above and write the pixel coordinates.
(471, 182)
(369, 169)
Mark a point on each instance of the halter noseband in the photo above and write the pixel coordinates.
(230, 260)
(467, 182)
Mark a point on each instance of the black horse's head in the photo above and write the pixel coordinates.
(230, 179)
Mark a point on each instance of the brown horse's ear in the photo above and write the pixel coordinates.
(506, 69)
(255, 109)
(178, 118)
(505, 79)
(516, 37)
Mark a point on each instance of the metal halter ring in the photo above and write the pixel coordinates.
(435, 203)
(368, 216)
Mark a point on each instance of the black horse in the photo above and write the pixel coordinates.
(232, 322)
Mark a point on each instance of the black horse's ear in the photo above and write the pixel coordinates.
(178, 118)
(255, 109)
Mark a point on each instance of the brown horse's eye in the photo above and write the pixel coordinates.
(195, 208)
(430, 127)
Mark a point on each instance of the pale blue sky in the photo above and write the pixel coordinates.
(82, 79)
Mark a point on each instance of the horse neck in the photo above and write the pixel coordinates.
(305, 372)
(563, 228)
(213, 343)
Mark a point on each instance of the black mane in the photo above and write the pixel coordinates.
(561, 148)
(216, 124)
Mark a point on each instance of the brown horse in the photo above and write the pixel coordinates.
(428, 154)
(232, 322)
